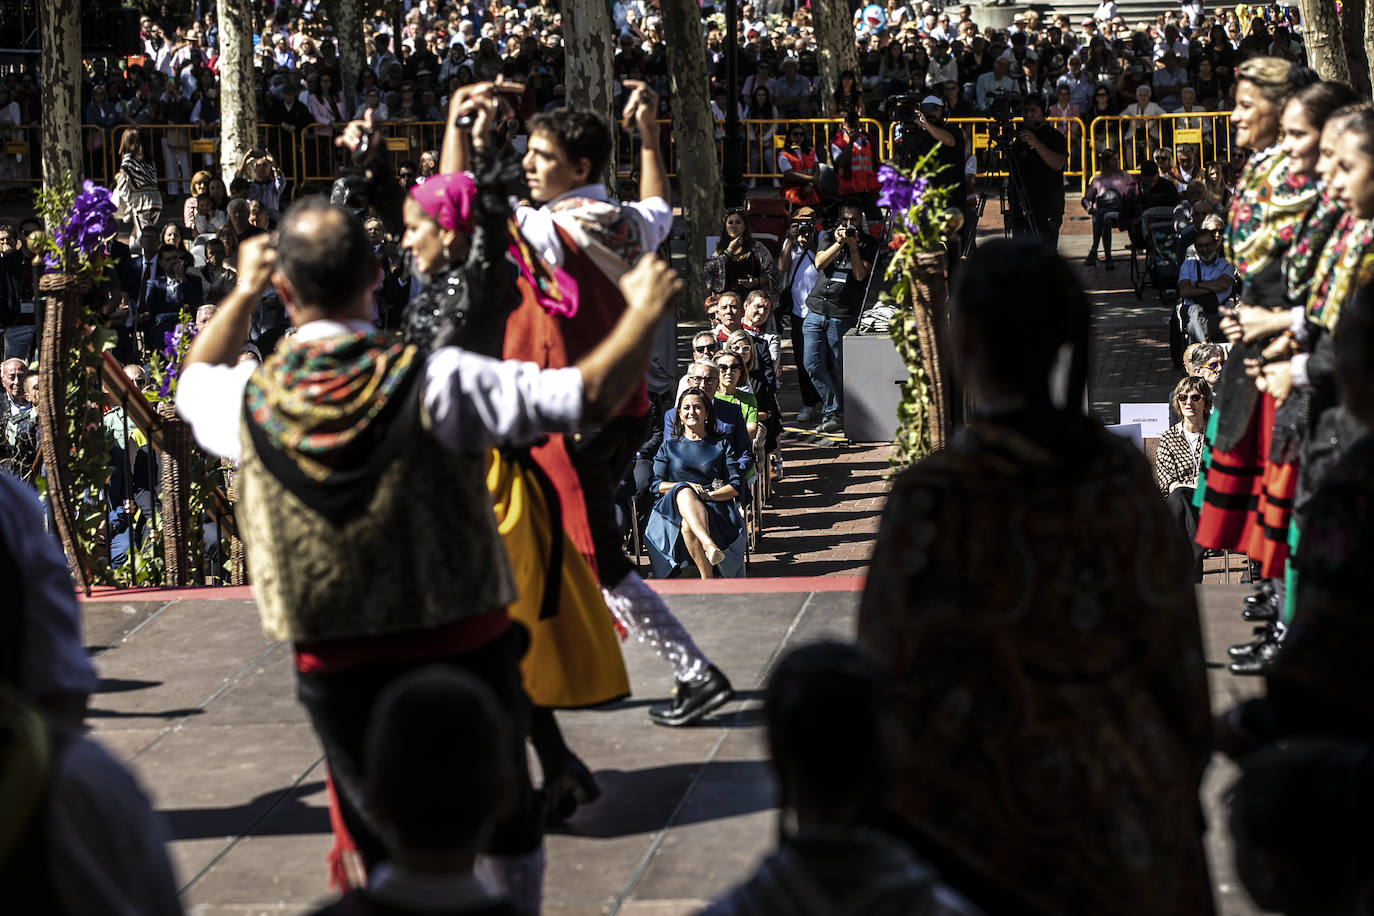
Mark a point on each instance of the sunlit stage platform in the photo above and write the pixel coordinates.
(203, 707)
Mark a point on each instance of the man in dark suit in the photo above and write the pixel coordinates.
(18, 292)
(136, 275)
(169, 294)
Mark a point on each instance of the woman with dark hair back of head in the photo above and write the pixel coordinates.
(1091, 611)
(136, 183)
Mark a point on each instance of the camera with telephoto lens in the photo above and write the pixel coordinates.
(903, 107)
(1004, 107)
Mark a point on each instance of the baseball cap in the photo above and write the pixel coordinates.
(932, 100)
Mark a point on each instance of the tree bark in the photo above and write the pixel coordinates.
(238, 132)
(1321, 33)
(834, 45)
(346, 17)
(589, 55)
(60, 39)
(1368, 37)
(1352, 26)
(694, 131)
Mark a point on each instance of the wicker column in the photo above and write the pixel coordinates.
(930, 308)
(177, 527)
(62, 308)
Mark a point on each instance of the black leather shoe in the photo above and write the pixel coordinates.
(1261, 613)
(1261, 595)
(692, 701)
(571, 786)
(1247, 649)
(1257, 663)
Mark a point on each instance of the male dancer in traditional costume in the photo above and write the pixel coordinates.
(363, 505)
(594, 240)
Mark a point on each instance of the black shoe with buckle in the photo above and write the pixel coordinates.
(693, 701)
(1258, 663)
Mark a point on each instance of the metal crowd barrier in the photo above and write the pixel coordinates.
(763, 140)
(178, 151)
(1206, 133)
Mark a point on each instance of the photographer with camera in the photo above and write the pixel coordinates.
(797, 271)
(926, 131)
(844, 258)
(853, 154)
(1040, 153)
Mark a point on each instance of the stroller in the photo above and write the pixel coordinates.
(1154, 237)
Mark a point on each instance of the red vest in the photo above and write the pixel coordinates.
(857, 176)
(599, 307)
(797, 193)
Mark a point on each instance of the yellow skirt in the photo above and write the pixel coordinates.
(574, 656)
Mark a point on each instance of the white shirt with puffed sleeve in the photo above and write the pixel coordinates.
(473, 401)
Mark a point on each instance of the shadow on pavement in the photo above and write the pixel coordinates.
(276, 813)
(636, 802)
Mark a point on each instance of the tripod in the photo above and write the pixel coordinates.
(1015, 188)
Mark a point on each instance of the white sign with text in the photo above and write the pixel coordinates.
(1153, 418)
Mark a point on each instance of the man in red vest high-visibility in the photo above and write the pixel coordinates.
(854, 155)
(797, 166)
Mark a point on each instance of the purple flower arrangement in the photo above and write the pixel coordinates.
(919, 215)
(85, 222)
(899, 191)
(175, 343)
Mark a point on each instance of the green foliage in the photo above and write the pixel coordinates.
(922, 221)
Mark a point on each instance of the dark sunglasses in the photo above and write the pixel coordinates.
(705, 348)
(729, 367)
(1191, 397)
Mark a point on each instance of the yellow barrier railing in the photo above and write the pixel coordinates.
(177, 151)
(1206, 134)
(763, 140)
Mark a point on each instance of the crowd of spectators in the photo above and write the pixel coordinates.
(1181, 61)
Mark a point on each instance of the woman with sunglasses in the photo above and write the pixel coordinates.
(734, 372)
(1102, 106)
(740, 264)
(1179, 458)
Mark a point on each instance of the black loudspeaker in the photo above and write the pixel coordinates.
(108, 28)
(19, 25)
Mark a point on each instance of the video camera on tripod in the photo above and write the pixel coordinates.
(1004, 107)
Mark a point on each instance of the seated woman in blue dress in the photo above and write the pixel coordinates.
(696, 474)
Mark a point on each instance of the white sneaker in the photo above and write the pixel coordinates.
(806, 415)
(775, 461)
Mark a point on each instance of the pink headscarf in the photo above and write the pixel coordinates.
(447, 199)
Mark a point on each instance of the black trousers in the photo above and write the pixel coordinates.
(602, 459)
(340, 708)
(1046, 226)
(1180, 504)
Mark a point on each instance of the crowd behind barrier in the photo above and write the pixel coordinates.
(183, 149)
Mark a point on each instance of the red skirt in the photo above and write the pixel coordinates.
(1268, 543)
(1227, 520)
